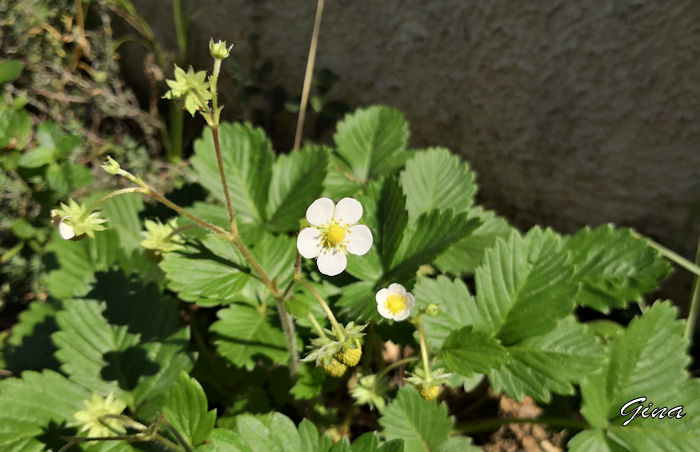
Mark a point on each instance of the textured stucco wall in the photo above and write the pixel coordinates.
(572, 113)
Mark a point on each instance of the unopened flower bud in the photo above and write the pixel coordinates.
(111, 166)
(432, 310)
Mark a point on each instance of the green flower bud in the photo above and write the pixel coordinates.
(432, 310)
(159, 237)
(111, 166)
(219, 50)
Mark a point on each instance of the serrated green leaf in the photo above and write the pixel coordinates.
(37, 157)
(466, 351)
(186, 409)
(456, 304)
(10, 69)
(614, 267)
(122, 212)
(465, 256)
(425, 239)
(309, 382)
(36, 407)
(297, 180)
(552, 362)
(247, 158)
(66, 177)
(210, 272)
(437, 179)
(51, 136)
(647, 360)
(357, 302)
(15, 124)
(243, 333)
(392, 220)
(72, 265)
(339, 183)
(126, 340)
(523, 286)
(371, 142)
(421, 424)
(29, 346)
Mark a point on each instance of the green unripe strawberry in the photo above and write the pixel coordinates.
(429, 393)
(350, 356)
(335, 368)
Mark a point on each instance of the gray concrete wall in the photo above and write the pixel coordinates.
(571, 112)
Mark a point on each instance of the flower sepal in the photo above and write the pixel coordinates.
(74, 222)
(429, 385)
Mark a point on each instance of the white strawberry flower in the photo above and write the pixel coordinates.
(394, 302)
(334, 232)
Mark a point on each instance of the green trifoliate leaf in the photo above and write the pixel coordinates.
(372, 142)
(297, 180)
(247, 156)
(464, 256)
(125, 340)
(437, 179)
(614, 267)
(552, 362)
(466, 351)
(648, 360)
(456, 307)
(37, 407)
(421, 424)
(122, 212)
(524, 286)
(244, 333)
(186, 408)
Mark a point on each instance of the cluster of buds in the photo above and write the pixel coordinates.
(336, 355)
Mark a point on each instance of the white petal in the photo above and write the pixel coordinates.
(65, 230)
(383, 311)
(381, 296)
(397, 289)
(359, 239)
(348, 211)
(410, 301)
(403, 315)
(320, 212)
(332, 262)
(309, 242)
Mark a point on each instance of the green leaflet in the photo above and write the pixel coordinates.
(466, 351)
(243, 333)
(523, 286)
(437, 179)
(36, 404)
(613, 267)
(186, 409)
(247, 157)
(372, 142)
(647, 360)
(124, 340)
(552, 362)
(421, 424)
(29, 347)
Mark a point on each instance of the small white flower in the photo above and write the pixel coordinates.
(65, 230)
(333, 234)
(394, 302)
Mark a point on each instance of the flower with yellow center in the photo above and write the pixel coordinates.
(333, 234)
(93, 416)
(394, 302)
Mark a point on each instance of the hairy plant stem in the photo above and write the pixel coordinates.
(222, 174)
(203, 223)
(394, 365)
(669, 254)
(316, 325)
(336, 327)
(310, 62)
(693, 312)
(110, 195)
(493, 423)
(423, 348)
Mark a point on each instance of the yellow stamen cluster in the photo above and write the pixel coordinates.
(334, 234)
(395, 303)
